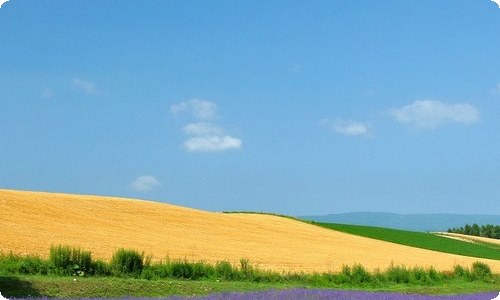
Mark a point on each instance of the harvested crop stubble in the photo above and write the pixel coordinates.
(469, 238)
(30, 222)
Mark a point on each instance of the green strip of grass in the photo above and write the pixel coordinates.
(418, 239)
(112, 287)
(108, 287)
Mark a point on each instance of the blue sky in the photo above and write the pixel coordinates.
(295, 107)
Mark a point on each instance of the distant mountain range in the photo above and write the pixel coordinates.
(415, 222)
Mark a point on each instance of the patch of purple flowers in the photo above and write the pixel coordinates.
(307, 294)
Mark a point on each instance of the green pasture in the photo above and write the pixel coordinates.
(111, 287)
(419, 239)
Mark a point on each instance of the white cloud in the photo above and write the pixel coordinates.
(209, 137)
(2, 2)
(497, 2)
(205, 135)
(203, 129)
(428, 114)
(84, 86)
(212, 143)
(347, 127)
(145, 183)
(351, 128)
(201, 109)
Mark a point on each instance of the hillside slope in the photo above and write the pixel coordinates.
(31, 221)
(413, 222)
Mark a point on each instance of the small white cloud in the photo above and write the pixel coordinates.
(145, 183)
(497, 2)
(347, 127)
(212, 143)
(208, 137)
(84, 86)
(201, 109)
(2, 2)
(205, 135)
(351, 128)
(203, 129)
(428, 114)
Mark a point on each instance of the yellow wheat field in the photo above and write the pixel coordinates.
(469, 238)
(30, 222)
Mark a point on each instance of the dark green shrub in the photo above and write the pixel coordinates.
(418, 275)
(100, 268)
(461, 272)
(203, 270)
(224, 270)
(359, 274)
(397, 274)
(290, 277)
(377, 277)
(148, 274)
(343, 277)
(246, 269)
(316, 279)
(268, 276)
(127, 262)
(70, 261)
(434, 275)
(346, 270)
(11, 264)
(480, 271)
(33, 265)
(157, 271)
(182, 269)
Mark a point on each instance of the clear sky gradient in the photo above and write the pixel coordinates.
(295, 107)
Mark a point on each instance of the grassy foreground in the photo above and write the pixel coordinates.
(106, 287)
(72, 273)
(418, 239)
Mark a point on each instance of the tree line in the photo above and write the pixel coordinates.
(488, 230)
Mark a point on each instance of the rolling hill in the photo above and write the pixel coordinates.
(414, 222)
(30, 222)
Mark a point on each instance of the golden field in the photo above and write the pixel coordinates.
(30, 222)
(469, 238)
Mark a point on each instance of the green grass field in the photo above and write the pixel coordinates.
(108, 287)
(419, 240)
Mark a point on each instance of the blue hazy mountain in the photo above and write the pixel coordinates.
(416, 222)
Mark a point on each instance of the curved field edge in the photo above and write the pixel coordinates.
(417, 239)
(30, 222)
(428, 241)
(489, 242)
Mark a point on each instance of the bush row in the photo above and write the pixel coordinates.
(488, 230)
(68, 261)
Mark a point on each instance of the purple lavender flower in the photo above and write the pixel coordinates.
(307, 294)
